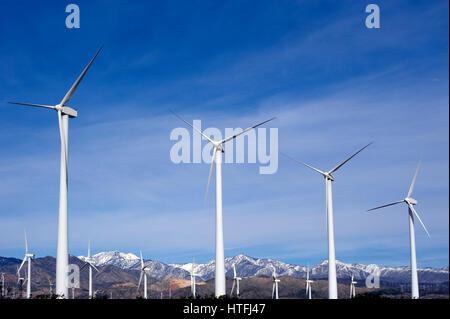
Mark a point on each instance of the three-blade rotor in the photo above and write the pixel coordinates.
(218, 144)
(409, 201)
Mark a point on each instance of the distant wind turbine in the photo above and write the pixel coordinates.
(352, 288)
(410, 202)
(90, 263)
(64, 113)
(332, 280)
(308, 284)
(27, 258)
(275, 283)
(193, 275)
(220, 288)
(236, 280)
(143, 274)
(3, 284)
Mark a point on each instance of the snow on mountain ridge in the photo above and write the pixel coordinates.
(258, 267)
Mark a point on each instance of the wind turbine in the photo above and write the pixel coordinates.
(50, 286)
(27, 258)
(193, 275)
(64, 113)
(236, 280)
(308, 284)
(275, 283)
(89, 262)
(332, 280)
(412, 238)
(20, 282)
(143, 274)
(3, 284)
(220, 289)
(352, 288)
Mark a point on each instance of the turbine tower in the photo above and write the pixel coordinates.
(332, 280)
(64, 113)
(236, 280)
(90, 263)
(193, 275)
(220, 289)
(275, 283)
(412, 238)
(352, 288)
(26, 258)
(143, 274)
(308, 284)
(3, 284)
(50, 286)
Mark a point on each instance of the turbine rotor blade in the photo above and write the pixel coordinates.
(36, 105)
(196, 129)
(26, 242)
(245, 131)
(89, 249)
(210, 173)
(140, 279)
(142, 260)
(411, 188)
(418, 217)
(21, 265)
(232, 288)
(309, 166)
(339, 166)
(390, 204)
(70, 93)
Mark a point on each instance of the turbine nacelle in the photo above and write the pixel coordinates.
(66, 110)
(411, 200)
(29, 255)
(328, 176)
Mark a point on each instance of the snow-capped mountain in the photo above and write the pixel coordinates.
(115, 258)
(257, 267)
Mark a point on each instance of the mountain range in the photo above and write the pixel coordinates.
(247, 267)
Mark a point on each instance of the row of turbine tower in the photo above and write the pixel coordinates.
(65, 112)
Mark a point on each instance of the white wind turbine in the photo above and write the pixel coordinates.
(143, 274)
(352, 288)
(220, 288)
(308, 284)
(332, 280)
(411, 212)
(64, 113)
(27, 258)
(193, 275)
(90, 263)
(275, 283)
(50, 286)
(3, 284)
(236, 280)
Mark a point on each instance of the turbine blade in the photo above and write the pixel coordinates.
(21, 265)
(232, 288)
(37, 105)
(245, 131)
(196, 129)
(70, 93)
(85, 264)
(89, 249)
(337, 167)
(313, 168)
(411, 188)
(234, 271)
(142, 260)
(273, 289)
(140, 279)
(394, 203)
(93, 266)
(418, 217)
(210, 173)
(26, 242)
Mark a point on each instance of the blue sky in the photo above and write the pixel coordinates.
(333, 84)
